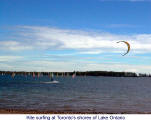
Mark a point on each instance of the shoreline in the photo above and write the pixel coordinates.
(77, 73)
(21, 111)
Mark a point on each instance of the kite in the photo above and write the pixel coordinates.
(128, 46)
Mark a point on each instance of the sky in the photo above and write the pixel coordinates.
(75, 35)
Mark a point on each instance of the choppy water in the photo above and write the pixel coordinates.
(83, 94)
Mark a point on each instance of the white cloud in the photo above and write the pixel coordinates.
(81, 42)
(14, 45)
(6, 67)
(90, 52)
(47, 38)
(10, 58)
(60, 66)
(118, 67)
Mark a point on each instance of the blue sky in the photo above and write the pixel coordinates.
(68, 35)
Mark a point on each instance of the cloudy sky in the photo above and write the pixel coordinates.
(80, 35)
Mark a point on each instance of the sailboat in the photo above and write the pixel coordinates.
(39, 74)
(57, 74)
(74, 74)
(33, 75)
(52, 79)
(13, 75)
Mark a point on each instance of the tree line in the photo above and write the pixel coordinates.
(78, 73)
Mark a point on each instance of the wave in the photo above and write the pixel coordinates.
(50, 82)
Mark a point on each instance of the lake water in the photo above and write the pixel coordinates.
(81, 94)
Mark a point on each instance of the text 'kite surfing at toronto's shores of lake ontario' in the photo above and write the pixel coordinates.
(75, 57)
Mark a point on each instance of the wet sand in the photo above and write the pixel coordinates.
(15, 111)
(18, 111)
